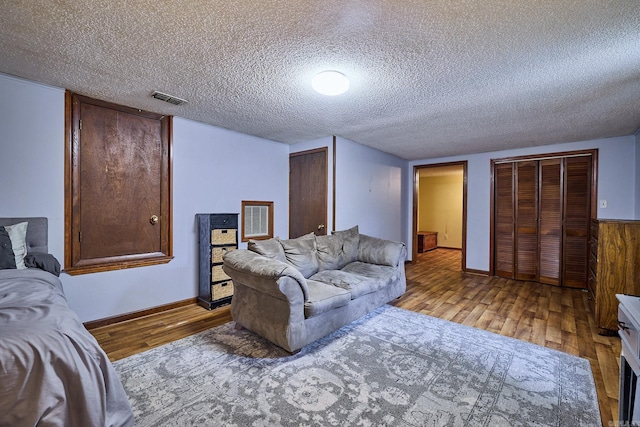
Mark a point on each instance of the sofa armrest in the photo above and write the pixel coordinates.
(374, 250)
(262, 273)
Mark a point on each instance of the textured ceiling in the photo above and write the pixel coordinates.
(428, 78)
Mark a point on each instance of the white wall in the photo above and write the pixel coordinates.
(369, 191)
(616, 184)
(213, 171)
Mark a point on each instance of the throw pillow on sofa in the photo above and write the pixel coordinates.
(338, 249)
(379, 251)
(351, 243)
(301, 253)
(270, 248)
(330, 252)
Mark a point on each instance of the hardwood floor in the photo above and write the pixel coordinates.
(558, 318)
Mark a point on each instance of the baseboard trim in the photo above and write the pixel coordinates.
(474, 271)
(137, 314)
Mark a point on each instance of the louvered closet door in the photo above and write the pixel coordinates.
(526, 244)
(542, 214)
(577, 208)
(550, 246)
(504, 220)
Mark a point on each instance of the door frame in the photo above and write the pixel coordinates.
(544, 156)
(416, 170)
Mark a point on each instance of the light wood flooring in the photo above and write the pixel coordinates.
(550, 316)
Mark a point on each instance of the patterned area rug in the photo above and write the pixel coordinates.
(390, 368)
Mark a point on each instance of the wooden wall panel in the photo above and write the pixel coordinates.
(615, 269)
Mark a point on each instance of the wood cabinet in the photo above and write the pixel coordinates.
(541, 213)
(217, 235)
(427, 240)
(614, 268)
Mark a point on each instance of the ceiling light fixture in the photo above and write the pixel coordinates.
(330, 83)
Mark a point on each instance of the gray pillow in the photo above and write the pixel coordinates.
(18, 236)
(43, 261)
(334, 252)
(379, 251)
(270, 248)
(350, 244)
(301, 253)
(329, 250)
(7, 258)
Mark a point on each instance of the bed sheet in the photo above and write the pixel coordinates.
(52, 370)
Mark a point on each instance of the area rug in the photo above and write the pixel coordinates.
(392, 367)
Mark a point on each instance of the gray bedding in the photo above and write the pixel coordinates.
(52, 370)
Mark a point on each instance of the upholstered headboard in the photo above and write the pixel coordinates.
(37, 232)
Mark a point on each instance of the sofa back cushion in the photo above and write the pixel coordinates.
(329, 252)
(378, 251)
(270, 248)
(350, 243)
(301, 253)
(337, 250)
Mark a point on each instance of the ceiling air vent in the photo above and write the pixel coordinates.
(168, 98)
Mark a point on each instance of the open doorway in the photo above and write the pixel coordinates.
(440, 210)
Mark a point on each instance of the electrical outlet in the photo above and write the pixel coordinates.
(446, 237)
(603, 204)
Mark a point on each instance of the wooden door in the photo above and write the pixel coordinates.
(546, 205)
(526, 242)
(577, 208)
(120, 168)
(308, 192)
(119, 194)
(550, 222)
(504, 220)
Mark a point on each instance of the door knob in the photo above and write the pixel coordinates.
(321, 226)
(154, 219)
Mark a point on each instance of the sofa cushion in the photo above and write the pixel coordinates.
(301, 253)
(323, 297)
(357, 284)
(270, 248)
(373, 250)
(331, 252)
(381, 273)
(350, 243)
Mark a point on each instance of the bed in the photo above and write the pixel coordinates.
(52, 370)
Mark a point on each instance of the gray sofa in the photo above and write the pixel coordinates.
(293, 292)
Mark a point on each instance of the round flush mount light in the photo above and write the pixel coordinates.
(330, 83)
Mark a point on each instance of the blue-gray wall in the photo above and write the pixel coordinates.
(369, 191)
